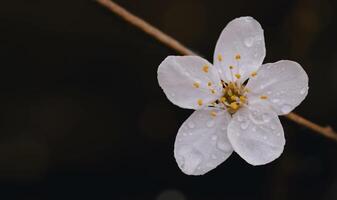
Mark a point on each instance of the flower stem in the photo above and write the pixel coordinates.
(177, 46)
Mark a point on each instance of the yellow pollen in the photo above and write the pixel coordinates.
(196, 85)
(219, 57)
(263, 97)
(205, 68)
(238, 76)
(253, 74)
(200, 102)
(242, 98)
(223, 99)
(212, 91)
(246, 90)
(231, 67)
(213, 113)
(230, 93)
(234, 97)
(209, 84)
(234, 105)
(237, 57)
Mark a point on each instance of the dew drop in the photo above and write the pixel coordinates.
(213, 156)
(264, 137)
(275, 100)
(266, 117)
(223, 146)
(272, 127)
(249, 41)
(303, 91)
(286, 108)
(187, 74)
(173, 94)
(210, 123)
(223, 128)
(191, 125)
(189, 159)
(254, 129)
(240, 118)
(214, 137)
(244, 125)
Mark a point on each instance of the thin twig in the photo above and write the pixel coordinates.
(177, 46)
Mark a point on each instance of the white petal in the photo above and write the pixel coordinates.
(185, 81)
(243, 36)
(201, 143)
(285, 84)
(256, 135)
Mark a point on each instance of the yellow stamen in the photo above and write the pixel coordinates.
(237, 57)
(238, 76)
(213, 113)
(200, 102)
(231, 67)
(205, 68)
(209, 84)
(263, 97)
(212, 91)
(196, 85)
(219, 57)
(234, 105)
(242, 99)
(253, 74)
(234, 97)
(223, 99)
(230, 93)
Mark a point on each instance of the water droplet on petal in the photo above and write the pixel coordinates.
(191, 125)
(210, 123)
(254, 129)
(187, 74)
(189, 159)
(223, 128)
(244, 125)
(223, 146)
(213, 156)
(214, 137)
(264, 137)
(275, 100)
(240, 118)
(285, 108)
(303, 90)
(249, 41)
(266, 117)
(272, 127)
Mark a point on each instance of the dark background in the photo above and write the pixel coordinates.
(83, 117)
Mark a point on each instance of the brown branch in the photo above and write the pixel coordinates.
(177, 46)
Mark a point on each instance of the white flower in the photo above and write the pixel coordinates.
(231, 113)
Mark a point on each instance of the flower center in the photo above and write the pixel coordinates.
(234, 96)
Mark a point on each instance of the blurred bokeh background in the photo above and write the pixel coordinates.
(82, 115)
